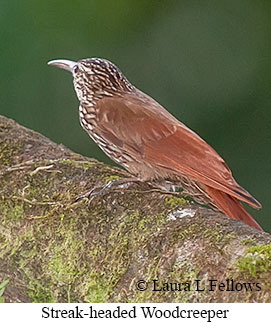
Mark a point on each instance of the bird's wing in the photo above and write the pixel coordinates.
(145, 129)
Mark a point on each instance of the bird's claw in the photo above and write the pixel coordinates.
(102, 190)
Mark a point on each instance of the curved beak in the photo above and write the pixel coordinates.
(63, 63)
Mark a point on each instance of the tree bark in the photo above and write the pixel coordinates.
(135, 244)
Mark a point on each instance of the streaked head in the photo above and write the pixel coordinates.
(94, 78)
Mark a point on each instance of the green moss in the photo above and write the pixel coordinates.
(256, 261)
(7, 152)
(13, 213)
(216, 235)
(77, 163)
(187, 273)
(125, 239)
(111, 178)
(98, 287)
(245, 242)
(183, 234)
(39, 293)
(174, 201)
(2, 290)
(61, 268)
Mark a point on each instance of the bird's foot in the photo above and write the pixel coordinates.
(102, 190)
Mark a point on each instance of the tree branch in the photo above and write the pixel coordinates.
(55, 249)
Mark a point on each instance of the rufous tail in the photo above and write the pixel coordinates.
(231, 207)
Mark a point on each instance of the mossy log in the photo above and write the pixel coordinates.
(53, 249)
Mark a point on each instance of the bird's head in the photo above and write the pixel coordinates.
(95, 78)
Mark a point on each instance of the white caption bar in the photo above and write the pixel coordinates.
(114, 312)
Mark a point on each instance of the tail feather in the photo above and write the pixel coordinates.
(231, 207)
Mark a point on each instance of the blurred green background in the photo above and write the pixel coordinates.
(208, 62)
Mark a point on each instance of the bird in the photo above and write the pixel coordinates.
(139, 134)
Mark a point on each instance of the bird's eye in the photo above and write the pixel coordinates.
(75, 69)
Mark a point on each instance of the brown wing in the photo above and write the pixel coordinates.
(142, 127)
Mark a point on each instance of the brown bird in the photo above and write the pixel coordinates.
(138, 133)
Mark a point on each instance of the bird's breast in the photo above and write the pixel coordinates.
(88, 119)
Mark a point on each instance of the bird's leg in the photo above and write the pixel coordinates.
(192, 193)
(102, 190)
(164, 187)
